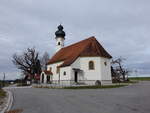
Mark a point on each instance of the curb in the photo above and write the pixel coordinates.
(9, 101)
(20, 87)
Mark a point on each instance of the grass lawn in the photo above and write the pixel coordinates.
(2, 93)
(114, 85)
(22, 84)
(94, 87)
(140, 78)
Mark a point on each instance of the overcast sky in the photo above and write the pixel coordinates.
(121, 26)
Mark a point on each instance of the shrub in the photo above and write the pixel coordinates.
(98, 83)
(2, 93)
(22, 84)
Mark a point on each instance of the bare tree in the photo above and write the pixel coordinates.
(44, 60)
(28, 62)
(118, 70)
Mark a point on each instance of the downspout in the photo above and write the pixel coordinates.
(59, 76)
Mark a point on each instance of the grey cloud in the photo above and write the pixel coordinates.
(121, 26)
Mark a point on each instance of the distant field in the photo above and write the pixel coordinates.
(140, 78)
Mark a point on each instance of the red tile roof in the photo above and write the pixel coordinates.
(88, 47)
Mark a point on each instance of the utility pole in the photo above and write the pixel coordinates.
(136, 72)
(4, 80)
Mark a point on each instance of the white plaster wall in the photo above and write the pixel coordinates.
(64, 79)
(61, 40)
(105, 69)
(101, 72)
(91, 74)
(68, 73)
(54, 69)
(83, 64)
(77, 65)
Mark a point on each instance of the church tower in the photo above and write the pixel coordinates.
(60, 37)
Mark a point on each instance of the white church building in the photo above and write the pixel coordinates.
(84, 62)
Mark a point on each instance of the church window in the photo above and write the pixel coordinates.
(105, 63)
(58, 43)
(91, 65)
(64, 72)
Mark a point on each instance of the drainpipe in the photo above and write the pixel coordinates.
(59, 77)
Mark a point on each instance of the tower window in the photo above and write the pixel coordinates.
(58, 43)
(91, 65)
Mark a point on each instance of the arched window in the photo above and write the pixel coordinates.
(64, 72)
(105, 63)
(58, 43)
(42, 78)
(91, 65)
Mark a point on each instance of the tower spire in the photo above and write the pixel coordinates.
(60, 37)
(60, 32)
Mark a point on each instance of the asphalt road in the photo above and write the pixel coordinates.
(130, 99)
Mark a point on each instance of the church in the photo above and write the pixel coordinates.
(85, 62)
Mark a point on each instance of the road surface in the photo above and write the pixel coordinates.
(130, 99)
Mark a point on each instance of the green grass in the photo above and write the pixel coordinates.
(130, 82)
(84, 87)
(4, 84)
(2, 93)
(49, 87)
(94, 87)
(140, 78)
(114, 85)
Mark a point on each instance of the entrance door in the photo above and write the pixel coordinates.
(42, 78)
(48, 78)
(76, 76)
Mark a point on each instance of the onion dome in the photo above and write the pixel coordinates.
(60, 32)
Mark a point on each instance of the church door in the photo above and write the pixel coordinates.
(48, 78)
(76, 76)
(42, 78)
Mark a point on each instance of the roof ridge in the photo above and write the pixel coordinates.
(90, 38)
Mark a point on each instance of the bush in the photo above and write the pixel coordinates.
(94, 87)
(98, 83)
(2, 93)
(22, 84)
